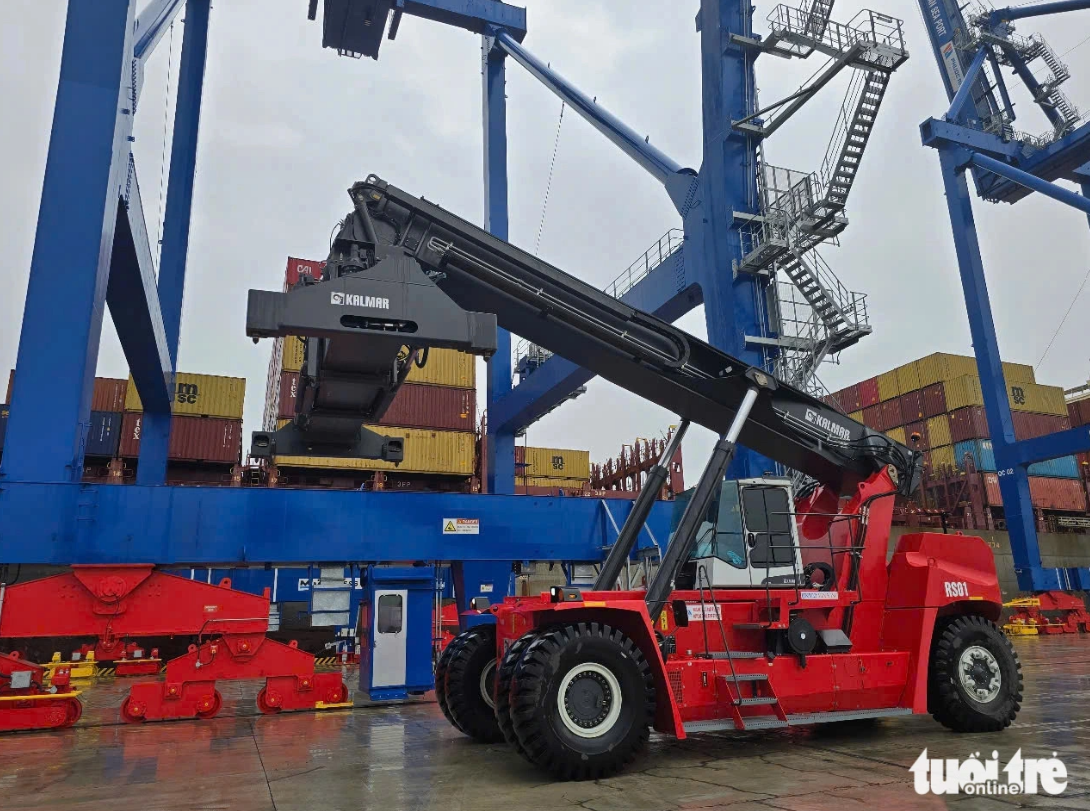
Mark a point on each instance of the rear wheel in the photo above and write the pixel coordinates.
(975, 680)
(470, 683)
(582, 702)
(504, 679)
(441, 676)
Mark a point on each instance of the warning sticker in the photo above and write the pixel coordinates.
(702, 613)
(461, 526)
(819, 595)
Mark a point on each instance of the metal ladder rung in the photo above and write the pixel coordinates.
(734, 654)
(756, 701)
(741, 677)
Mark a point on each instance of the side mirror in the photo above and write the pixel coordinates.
(681, 613)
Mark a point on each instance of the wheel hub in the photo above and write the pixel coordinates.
(488, 684)
(979, 674)
(589, 700)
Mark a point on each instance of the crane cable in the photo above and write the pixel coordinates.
(549, 183)
(163, 156)
(1062, 320)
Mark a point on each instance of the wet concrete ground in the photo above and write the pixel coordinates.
(408, 757)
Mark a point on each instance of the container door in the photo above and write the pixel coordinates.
(768, 514)
(388, 662)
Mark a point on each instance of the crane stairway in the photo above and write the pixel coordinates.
(1012, 48)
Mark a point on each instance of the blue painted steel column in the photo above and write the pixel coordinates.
(1013, 478)
(501, 445)
(70, 266)
(155, 428)
(728, 184)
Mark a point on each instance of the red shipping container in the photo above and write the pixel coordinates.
(872, 417)
(192, 439)
(912, 409)
(443, 407)
(108, 394)
(11, 383)
(1084, 464)
(927, 462)
(302, 267)
(868, 393)
(934, 400)
(848, 399)
(991, 490)
(289, 388)
(1028, 425)
(889, 414)
(921, 429)
(968, 423)
(1045, 493)
(1078, 411)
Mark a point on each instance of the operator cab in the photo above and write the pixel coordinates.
(748, 538)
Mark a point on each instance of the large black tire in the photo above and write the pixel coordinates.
(504, 679)
(441, 668)
(975, 678)
(582, 701)
(470, 685)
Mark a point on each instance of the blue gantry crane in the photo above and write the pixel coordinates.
(977, 136)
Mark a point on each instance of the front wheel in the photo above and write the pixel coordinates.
(470, 684)
(582, 701)
(975, 680)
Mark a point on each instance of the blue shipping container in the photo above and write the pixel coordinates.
(104, 434)
(1065, 467)
(980, 450)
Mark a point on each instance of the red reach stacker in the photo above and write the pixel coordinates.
(773, 604)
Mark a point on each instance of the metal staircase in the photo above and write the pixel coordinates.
(818, 17)
(850, 136)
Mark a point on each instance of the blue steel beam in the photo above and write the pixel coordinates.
(1049, 446)
(478, 16)
(1001, 15)
(500, 447)
(662, 167)
(183, 526)
(1014, 486)
(85, 176)
(151, 24)
(667, 292)
(1031, 182)
(963, 94)
(155, 428)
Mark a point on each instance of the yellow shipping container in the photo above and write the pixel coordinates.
(962, 392)
(200, 396)
(446, 367)
(542, 481)
(857, 416)
(887, 386)
(1038, 399)
(942, 457)
(908, 378)
(292, 353)
(445, 452)
(554, 462)
(897, 435)
(940, 367)
(1018, 373)
(938, 431)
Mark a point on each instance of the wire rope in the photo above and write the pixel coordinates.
(549, 183)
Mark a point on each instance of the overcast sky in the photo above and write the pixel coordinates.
(287, 127)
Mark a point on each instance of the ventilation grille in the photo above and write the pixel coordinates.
(675, 685)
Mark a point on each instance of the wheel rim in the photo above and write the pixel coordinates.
(488, 684)
(979, 673)
(589, 700)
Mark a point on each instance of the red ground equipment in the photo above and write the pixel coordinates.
(1051, 612)
(25, 703)
(115, 604)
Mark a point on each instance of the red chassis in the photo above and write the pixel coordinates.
(860, 646)
(115, 604)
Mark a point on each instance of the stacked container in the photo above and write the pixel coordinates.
(939, 400)
(435, 411)
(551, 468)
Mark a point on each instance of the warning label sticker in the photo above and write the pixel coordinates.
(461, 526)
(819, 595)
(702, 613)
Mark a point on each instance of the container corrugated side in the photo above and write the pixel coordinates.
(942, 366)
(897, 435)
(912, 406)
(890, 414)
(921, 429)
(446, 367)
(552, 462)
(1067, 495)
(857, 416)
(887, 386)
(969, 423)
(992, 495)
(848, 399)
(1063, 467)
(192, 439)
(103, 434)
(868, 393)
(200, 396)
(1028, 425)
(444, 407)
(872, 417)
(302, 267)
(934, 400)
(981, 451)
(942, 459)
(542, 481)
(908, 377)
(1077, 410)
(962, 392)
(938, 431)
(288, 389)
(442, 452)
(1018, 373)
(1036, 398)
(109, 394)
(291, 354)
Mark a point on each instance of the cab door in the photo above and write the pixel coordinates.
(771, 538)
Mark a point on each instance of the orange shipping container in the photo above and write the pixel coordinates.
(1045, 493)
(192, 439)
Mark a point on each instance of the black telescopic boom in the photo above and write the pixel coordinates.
(711, 480)
(641, 508)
